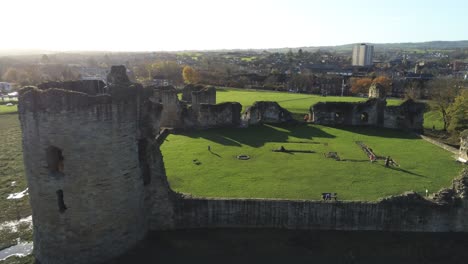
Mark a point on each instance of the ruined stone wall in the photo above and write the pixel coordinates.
(204, 96)
(463, 155)
(345, 113)
(172, 109)
(266, 112)
(408, 115)
(187, 92)
(374, 112)
(377, 91)
(408, 212)
(91, 87)
(208, 115)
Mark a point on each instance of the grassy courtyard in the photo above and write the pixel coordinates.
(299, 104)
(305, 172)
(296, 103)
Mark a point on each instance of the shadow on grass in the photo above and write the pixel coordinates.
(406, 171)
(216, 154)
(295, 99)
(355, 160)
(258, 136)
(292, 151)
(378, 132)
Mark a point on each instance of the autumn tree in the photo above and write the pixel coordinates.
(385, 82)
(360, 85)
(190, 75)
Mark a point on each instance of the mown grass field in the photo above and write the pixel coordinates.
(8, 109)
(12, 170)
(299, 175)
(296, 103)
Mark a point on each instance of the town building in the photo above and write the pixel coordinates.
(363, 55)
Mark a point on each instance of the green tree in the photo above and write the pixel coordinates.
(458, 112)
(443, 93)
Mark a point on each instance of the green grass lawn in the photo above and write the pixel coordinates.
(303, 175)
(298, 104)
(8, 109)
(12, 170)
(433, 118)
(294, 102)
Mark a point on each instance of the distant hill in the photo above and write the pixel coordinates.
(432, 45)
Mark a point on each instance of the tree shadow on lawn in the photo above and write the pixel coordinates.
(258, 136)
(406, 171)
(378, 132)
(214, 153)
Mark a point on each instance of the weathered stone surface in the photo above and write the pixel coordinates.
(207, 115)
(463, 154)
(187, 92)
(266, 112)
(405, 198)
(91, 87)
(108, 169)
(374, 112)
(409, 115)
(118, 74)
(202, 113)
(57, 100)
(376, 90)
(460, 184)
(204, 96)
(172, 108)
(344, 113)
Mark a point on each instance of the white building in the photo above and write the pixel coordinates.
(363, 54)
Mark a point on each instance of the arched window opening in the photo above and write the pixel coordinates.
(54, 159)
(61, 203)
(364, 117)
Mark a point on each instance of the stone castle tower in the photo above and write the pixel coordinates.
(93, 166)
(463, 153)
(376, 90)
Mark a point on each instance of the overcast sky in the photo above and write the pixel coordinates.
(143, 25)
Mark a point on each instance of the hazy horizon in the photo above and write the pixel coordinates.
(137, 26)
